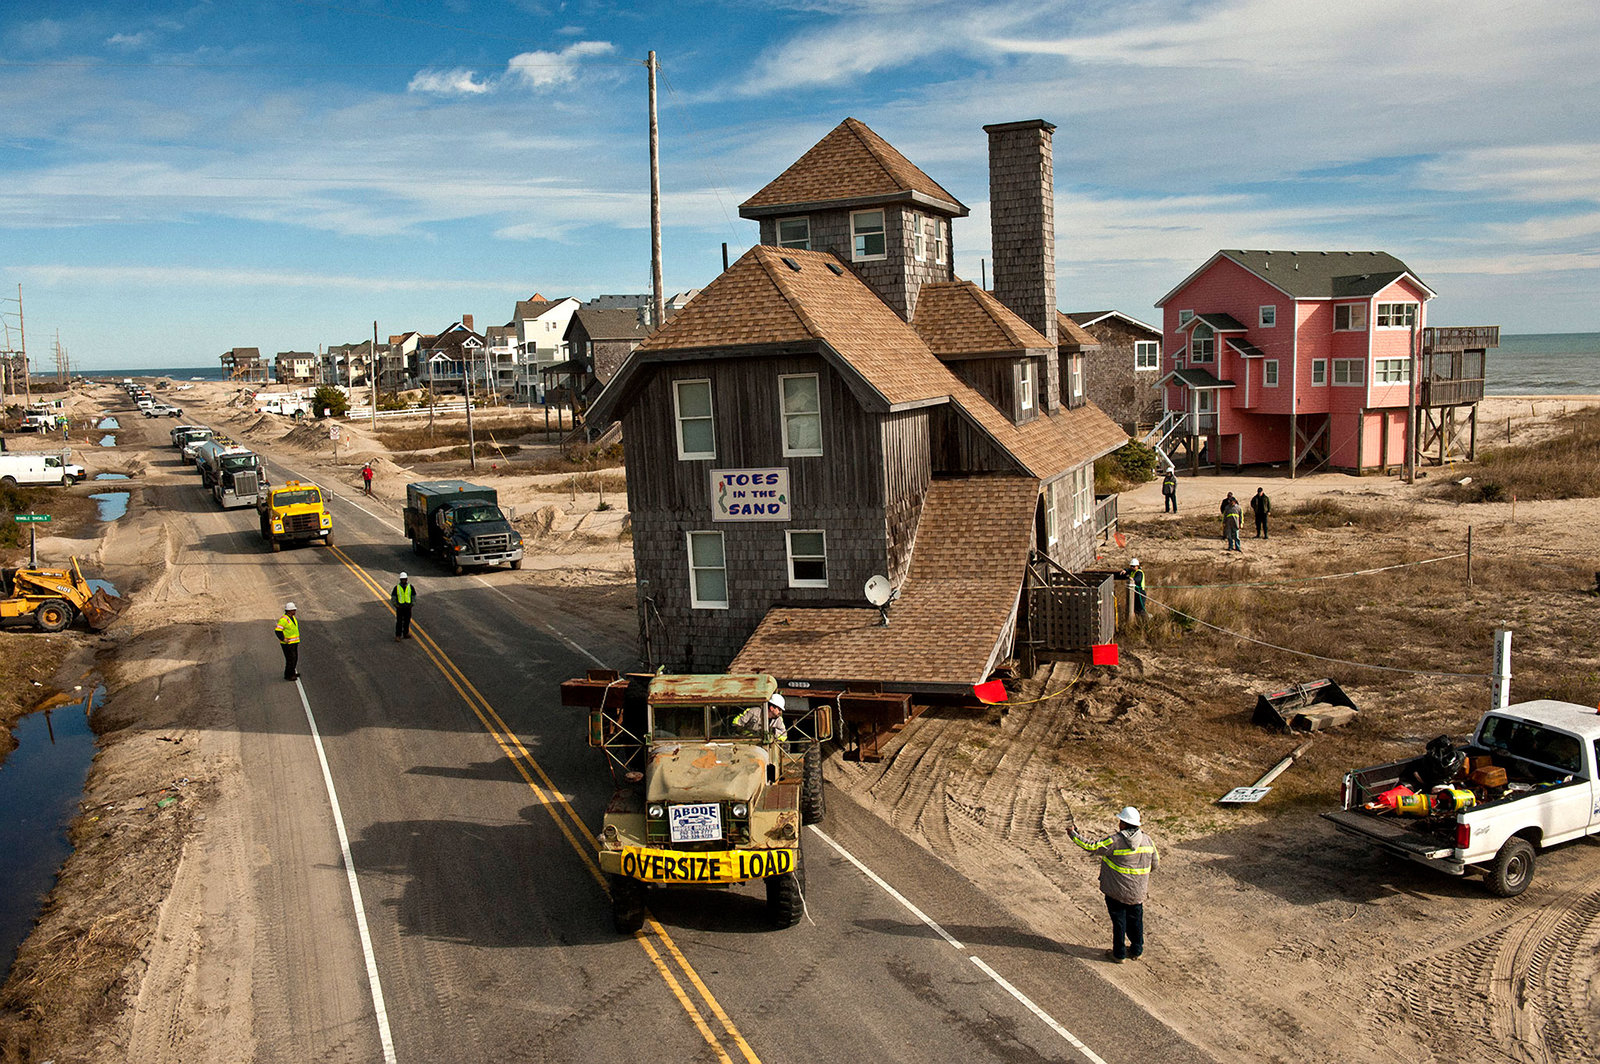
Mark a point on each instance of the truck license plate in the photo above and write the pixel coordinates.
(695, 823)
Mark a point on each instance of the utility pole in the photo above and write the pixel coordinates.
(22, 332)
(466, 388)
(372, 374)
(656, 297)
(1411, 406)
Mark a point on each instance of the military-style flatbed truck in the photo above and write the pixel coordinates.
(710, 792)
(460, 524)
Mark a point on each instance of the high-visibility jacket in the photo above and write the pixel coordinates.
(1126, 861)
(1136, 578)
(403, 594)
(288, 629)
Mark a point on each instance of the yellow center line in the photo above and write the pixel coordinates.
(555, 803)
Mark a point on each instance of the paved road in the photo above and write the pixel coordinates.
(466, 792)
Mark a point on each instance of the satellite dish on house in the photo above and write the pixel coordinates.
(879, 591)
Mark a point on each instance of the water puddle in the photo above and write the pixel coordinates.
(40, 784)
(111, 476)
(109, 423)
(106, 585)
(113, 504)
(108, 441)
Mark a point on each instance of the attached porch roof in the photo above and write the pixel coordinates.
(1246, 348)
(956, 610)
(1218, 322)
(1199, 379)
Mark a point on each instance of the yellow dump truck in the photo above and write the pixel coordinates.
(294, 511)
(53, 598)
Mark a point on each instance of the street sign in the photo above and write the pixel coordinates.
(333, 432)
(32, 518)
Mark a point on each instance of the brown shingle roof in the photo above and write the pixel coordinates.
(1070, 332)
(850, 163)
(954, 614)
(956, 318)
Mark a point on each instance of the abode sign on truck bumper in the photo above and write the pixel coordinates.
(750, 494)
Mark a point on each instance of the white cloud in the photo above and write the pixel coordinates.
(540, 70)
(128, 41)
(455, 82)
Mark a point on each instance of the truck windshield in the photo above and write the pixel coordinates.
(298, 497)
(680, 722)
(467, 515)
(738, 722)
(235, 462)
(1527, 740)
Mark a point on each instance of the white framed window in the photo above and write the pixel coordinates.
(800, 399)
(1396, 315)
(691, 401)
(794, 233)
(1391, 370)
(1349, 371)
(1269, 373)
(1075, 376)
(1184, 316)
(708, 572)
(1269, 315)
(1319, 372)
(1052, 524)
(919, 244)
(936, 238)
(1146, 354)
(1082, 494)
(1025, 385)
(1202, 345)
(808, 559)
(867, 236)
(1349, 317)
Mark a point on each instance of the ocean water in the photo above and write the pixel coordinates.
(177, 373)
(1544, 364)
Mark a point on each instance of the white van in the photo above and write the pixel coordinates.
(26, 469)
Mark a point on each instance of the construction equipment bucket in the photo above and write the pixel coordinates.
(101, 609)
(1305, 707)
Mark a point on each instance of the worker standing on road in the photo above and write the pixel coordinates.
(1127, 858)
(402, 595)
(289, 638)
(366, 478)
(1262, 506)
(1169, 491)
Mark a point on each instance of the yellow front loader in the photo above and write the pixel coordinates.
(53, 598)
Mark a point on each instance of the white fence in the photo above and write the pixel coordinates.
(357, 413)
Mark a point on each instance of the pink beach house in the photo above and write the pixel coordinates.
(1300, 357)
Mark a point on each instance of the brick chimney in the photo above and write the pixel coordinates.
(1022, 224)
(466, 323)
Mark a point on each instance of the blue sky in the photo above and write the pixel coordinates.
(180, 179)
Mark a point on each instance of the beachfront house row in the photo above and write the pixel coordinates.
(297, 367)
(1124, 368)
(450, 357)
(836, 406)
(1299, 357)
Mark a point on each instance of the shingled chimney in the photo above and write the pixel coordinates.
(1022, 224)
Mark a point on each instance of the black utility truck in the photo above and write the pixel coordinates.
(460, 524)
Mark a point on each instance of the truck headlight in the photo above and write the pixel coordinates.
(460, 547)
(327, 520)
(277, 526)
(655, 812)
(740, 810)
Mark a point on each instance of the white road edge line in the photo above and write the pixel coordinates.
(492, 587)
(384, 1036)
(1026, 1001)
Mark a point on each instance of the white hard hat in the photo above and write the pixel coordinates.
(1133, 561)
(288, 607)
(776, 700)
(1129, 816)
(403, 576)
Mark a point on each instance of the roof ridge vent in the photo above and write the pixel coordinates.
(793, 265)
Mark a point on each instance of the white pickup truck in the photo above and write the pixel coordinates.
(1549, 793)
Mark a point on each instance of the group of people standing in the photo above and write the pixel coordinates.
(1233, 517)
(402, 596)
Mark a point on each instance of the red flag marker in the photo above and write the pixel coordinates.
(1103, 654)
(992, 692)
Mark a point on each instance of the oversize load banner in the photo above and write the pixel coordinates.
(731, 866)
(750, 494)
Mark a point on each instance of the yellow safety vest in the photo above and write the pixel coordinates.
(288, 629)
(402, 594)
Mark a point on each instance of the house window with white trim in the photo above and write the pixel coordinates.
(1183, 317)
(1349, 371)
(1025, 385)
(1349, 317)
(1082, 494)
(808, 559)
(708, 572)
(1146, 354)
(918, 242)
(1319, 372)
(1396, 315)
(800, 397)
(1391, 370)
(1051, 522)
(794, 233)
(867, 236)
(1202, 345)
(1075, 376)
(1269, 373)
(936, 237)
(691, 401)
(1269, 315)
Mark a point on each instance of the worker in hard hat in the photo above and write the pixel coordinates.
(749, 721)
(288, 631)
(402, 595)
(1127, 857)
(1135, 577)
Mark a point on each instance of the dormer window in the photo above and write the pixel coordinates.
(794, 233)
(1025, 386)
(867, 236)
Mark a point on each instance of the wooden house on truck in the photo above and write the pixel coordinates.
(837, 405)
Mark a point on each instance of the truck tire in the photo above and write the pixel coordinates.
(8, 482)
(786, 894)
(274, 545)
(1512, 870)
(627, 903)
(812, 805)
(417, 548)
(327, 541)
(455, 566)
(52, 615)
(517, 564)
